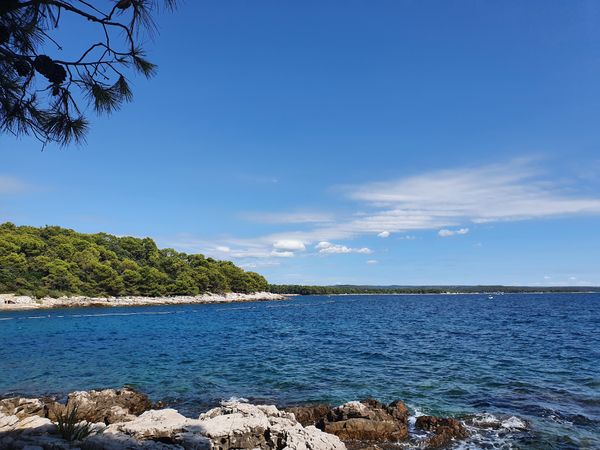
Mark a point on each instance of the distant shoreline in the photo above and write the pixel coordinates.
(12, 302)
(453, 293)
(349, 289)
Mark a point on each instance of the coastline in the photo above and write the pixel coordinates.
(12, 302)
(454, 293)
(112, 419)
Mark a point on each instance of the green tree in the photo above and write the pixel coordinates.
(60, 278)
(57, 261)
(42, 91)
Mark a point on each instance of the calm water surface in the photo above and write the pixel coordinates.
(512, 360)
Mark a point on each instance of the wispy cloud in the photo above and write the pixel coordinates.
(282, 254)
(288, 217)
(447, 201)
(511, 191)
(12, 185)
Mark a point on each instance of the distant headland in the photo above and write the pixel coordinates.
(53, 267)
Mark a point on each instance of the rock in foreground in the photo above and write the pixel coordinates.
(369, 425)
(368, 420)
(109, 405)
(113, 419)
(445, 430)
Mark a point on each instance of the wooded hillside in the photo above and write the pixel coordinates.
(55, 261)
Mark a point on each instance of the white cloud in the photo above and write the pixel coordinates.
(450, 198)
(280, 254)
(446, 201)
(384, 234)
(222, 248)
(372, 261)
(445, 232)
(336, 249)
(329, 248)
(511, 191)
(292, 245)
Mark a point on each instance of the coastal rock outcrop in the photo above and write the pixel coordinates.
(368, 420)
(27, 407)
(160, 424)
(241, 425)
(121, 419)
(231, 426)
(109, 405)
(25, 424)
(309, 414)
(444, 430)
(10, 302)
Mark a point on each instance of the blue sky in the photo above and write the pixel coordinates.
(379, 142)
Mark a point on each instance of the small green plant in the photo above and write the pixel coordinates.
(69, 427)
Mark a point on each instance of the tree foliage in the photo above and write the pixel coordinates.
(44, 92)
(56, 261)
(365, 290)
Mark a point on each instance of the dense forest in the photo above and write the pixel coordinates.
(54, 261)
(353, 289)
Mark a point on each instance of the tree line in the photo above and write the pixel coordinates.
(54, 261)
(353, 289)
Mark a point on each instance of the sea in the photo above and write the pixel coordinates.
(521, 370)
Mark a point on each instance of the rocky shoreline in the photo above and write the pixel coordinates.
(114, 419)
(12, 302)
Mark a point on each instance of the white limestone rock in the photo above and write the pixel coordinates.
(120, 441)
(237, 425)
(153, 424)
(233, 425)
(24, 407)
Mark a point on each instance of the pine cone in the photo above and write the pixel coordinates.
(58, 75)
(124, 4)
(55, 73)
(44, 65)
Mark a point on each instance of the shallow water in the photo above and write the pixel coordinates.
(511, 361)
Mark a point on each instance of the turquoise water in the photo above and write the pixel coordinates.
(512, 359)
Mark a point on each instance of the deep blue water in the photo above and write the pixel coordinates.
(534, 357)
